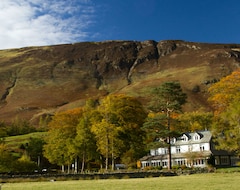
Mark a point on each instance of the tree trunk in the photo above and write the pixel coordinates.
(83, 163)
(112, 155)
(39, 161)
(76, 165)
(107, 151)
(169, 154)
(106, 162)
(68, 168)
(169, 141)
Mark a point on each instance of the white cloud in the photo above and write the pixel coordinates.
(44, 22)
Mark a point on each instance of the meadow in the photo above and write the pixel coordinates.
(209, 181)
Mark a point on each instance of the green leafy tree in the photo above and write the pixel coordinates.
(7, 160)
(157, 131)
(168, 99)
(34, 150)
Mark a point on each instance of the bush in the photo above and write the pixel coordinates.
(176, 167)
(24, 164)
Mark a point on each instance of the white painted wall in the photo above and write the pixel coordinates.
(183, 149)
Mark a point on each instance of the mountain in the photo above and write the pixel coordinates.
(37, 81)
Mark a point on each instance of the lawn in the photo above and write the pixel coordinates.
(210, 181)
(14, 142)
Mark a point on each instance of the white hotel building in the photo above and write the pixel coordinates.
(190, 149)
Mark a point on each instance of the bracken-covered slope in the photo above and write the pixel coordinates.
(36, 81)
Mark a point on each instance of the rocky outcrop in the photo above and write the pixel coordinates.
(39, 80)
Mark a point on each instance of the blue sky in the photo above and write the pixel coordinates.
(49, 22)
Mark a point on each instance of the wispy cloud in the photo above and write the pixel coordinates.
(44, 22)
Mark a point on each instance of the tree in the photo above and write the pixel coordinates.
(195, 121)
(133, 116)
(7, 160)
(106, 130)
(168, 98)
(34, 149)
(107, 141)
(226, 128)
(119, 119)
(225, 91)
(225, 98)
(84, 140)
(60, 147)
(157, 130)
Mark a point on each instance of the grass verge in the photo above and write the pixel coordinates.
(213, 181)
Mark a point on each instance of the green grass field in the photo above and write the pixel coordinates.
(14, 142)
(210, 181)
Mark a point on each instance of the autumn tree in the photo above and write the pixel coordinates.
(85, 142)
(225, 98)
(195, 121)
(226, 128)
(106, 129)
(60, 147)
(117, 127)
(225, 91)
(133, 116)
(167, 100)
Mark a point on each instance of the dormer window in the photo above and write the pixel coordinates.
(196, 137)
(173, 140)
(184, 138)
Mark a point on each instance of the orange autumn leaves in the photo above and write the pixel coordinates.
(224, 92)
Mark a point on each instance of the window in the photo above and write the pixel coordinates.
(201, 147)
(217, 161)
(173, 140)
(184, 138)
(190, 148)
(199, 162)
(178, 149)
(165, 151)
(224, 160)
(196, 137)
(164, 163)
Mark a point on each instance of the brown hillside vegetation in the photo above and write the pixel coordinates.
(36, 81)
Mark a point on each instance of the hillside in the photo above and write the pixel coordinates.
(37, 81)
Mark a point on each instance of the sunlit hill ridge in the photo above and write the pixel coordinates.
(37, 81)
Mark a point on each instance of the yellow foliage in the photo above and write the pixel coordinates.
(225, 91)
